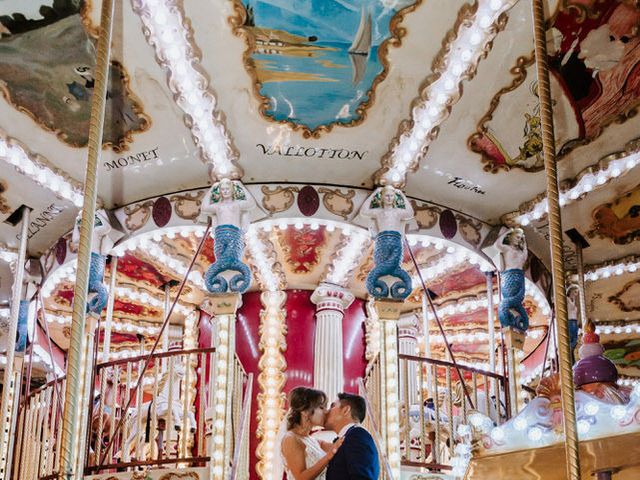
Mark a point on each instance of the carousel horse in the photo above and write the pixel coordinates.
(166, 390)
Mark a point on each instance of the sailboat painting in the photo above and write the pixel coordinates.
(316, 63)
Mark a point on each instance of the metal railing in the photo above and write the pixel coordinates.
(37, 447)
(433, 404)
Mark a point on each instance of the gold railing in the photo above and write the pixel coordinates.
(37, 444)
(433, 405)
(160, 426)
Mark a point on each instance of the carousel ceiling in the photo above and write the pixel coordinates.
(440, 97)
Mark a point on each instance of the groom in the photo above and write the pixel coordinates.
(357, 458)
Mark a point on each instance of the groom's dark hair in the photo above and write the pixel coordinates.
(357, 404)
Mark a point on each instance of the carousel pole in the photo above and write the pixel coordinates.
(10, 383)
(556, 240)
(77, 361)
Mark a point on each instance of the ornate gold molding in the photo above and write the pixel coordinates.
(466, 14)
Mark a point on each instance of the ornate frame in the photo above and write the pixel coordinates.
(397, 32)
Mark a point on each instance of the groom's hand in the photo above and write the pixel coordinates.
(337, 444)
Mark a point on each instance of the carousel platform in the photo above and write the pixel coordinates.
(620, 454)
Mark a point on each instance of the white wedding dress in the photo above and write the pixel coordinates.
(313, 453)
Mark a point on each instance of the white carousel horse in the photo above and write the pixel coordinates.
(161, 405)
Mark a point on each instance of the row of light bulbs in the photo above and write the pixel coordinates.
(36, 169)
(167, 32)
(628, 265)
(608, 329)
(122, 327)
(590, 181)
(464, 54)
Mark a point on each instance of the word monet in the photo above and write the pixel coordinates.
(310, 152)
(131, 160)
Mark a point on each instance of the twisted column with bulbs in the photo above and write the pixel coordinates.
(556, 241)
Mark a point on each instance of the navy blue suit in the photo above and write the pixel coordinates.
(356, 459)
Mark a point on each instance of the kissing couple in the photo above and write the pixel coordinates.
(351, 456)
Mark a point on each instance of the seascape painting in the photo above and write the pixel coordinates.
(316, 62)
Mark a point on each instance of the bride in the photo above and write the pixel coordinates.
(303, 456)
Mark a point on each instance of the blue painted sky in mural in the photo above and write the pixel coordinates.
(321, 82)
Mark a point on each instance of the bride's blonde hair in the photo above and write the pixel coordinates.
(302, 399)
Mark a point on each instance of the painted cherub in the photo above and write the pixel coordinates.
(512, 246)
(389, 210)
(228, 204)
(101, 245)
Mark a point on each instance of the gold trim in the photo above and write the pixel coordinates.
(465, 16)
(630, 148)
(330, 195)
(4, 204)
(616, 300)
(180, 201)
(519, 73)
(287, 192)
(396, 33)
(130, 211)
(92, 33)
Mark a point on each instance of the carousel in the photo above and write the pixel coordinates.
(209, 204)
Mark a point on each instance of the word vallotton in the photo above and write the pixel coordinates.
(43, 219)
(132, 160)
(310, 152)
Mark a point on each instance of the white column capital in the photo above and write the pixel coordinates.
(409, 325)
(331, 297)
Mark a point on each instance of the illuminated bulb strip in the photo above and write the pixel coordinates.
(169, 33)
(122, 327)
(64, 273)
(464, 306)
(392, 402)
(222, 367)
(39, 170)
(457, 256)
(464, 54)
(628, 381)
(271, 379)
(7, 255)
(146, 299)
(532, 290)
(617, 329)
(626, 265)
(588, 182)
(348, 257)
(269, 277)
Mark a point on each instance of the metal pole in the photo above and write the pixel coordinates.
(491, 323)
(70, 444)
(581, 288)
(556, 240)
(427, 340)
(9, 388)
(106, 342)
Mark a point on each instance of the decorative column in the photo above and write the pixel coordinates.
(556, 241)
(331, 302)
(11, 390)
(71, 442)
(408, 331)
(427, 342)
(221, 381)
(389, 313)
(271, 379)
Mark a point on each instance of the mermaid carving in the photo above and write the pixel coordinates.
(512, 246)
(228, 204)
(101, 244)
(389, 209)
